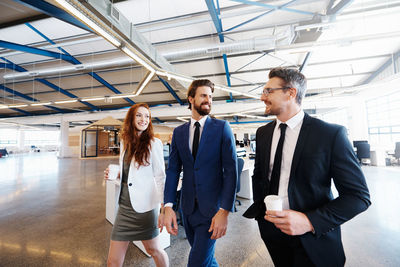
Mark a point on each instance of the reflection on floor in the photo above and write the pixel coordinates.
(52, 213)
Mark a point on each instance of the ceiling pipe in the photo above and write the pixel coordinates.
(227, 48)
(255, 44)
(84, 68)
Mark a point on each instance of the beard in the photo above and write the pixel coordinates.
(202, 111)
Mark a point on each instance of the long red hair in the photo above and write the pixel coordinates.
(137, 146)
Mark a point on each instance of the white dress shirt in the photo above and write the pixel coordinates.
(291, 136)
(192, 127)
(202, 121)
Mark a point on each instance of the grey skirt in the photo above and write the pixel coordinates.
(130, 225)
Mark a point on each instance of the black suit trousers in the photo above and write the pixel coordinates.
(285, 250)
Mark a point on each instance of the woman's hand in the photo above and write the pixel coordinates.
(106, 171)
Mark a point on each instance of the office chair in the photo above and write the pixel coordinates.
(240, 164)
(363, 151)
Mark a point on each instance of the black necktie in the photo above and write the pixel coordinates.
(276, 169)
(196, 140)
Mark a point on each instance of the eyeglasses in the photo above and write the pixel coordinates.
(267, 91)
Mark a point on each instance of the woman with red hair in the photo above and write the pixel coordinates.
(142, 167)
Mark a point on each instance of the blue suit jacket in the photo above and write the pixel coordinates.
(212, 177)
(323, 154)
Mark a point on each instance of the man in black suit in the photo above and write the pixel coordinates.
(298, 161)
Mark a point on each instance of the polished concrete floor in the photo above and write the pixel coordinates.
(52, 213)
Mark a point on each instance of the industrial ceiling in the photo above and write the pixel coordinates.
(55, 64)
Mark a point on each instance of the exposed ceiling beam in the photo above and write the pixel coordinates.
(268, 6)
(23, 20)
(36, 51)
(259, 16)
(383, 67)
(333, 10)
(75, 61)
(18, 94)
(47, 83)
(53, 11)
(214, 13)
(305, 61)
(171, 90)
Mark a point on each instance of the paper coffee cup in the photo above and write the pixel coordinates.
(113, 170)
(273, 202)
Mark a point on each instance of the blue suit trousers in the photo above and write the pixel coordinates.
(202, 247)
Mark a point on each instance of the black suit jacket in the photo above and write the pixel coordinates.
(323, 154)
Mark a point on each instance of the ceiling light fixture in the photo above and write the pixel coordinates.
(41, 104)
(66, 101)
(17, 106)
(139, 60)
(93, 99)
(74, 11)
(175, 76)
(145, 82)
(121, 96)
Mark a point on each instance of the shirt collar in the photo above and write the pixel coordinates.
(293, 121)
(202, 121)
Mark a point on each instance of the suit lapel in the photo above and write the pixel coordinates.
(185, 140)
(301, 141)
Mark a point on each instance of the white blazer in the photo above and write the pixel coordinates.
(146, 183)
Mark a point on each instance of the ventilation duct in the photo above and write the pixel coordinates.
(255, 44)
(84, 68)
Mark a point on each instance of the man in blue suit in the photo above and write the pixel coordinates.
(297, 158)
(205, 148)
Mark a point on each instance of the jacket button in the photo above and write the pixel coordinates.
(130, 184)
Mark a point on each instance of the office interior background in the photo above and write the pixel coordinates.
(70, 70)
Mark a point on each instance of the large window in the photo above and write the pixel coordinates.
(8, 137)
(38, 138)
(384, 119)
(338, 117)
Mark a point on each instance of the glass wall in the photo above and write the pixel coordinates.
(40, 138)
(384, 120)
(8, 137)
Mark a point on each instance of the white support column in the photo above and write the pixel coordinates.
(358, 123)
(64, 148)
(21, 140)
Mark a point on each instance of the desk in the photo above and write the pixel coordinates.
(378, 157)
(112, 192)
(246, 187)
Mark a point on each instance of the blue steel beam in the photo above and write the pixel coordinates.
(332, 10)
(385, 65)
(18, 68)
(11, 91)
(36, 51)
(305, 61)
(259, 16)
(275, 7)
(171, 90)
(218, 26)
(53, 11)
(22, 111)
(76, 62)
